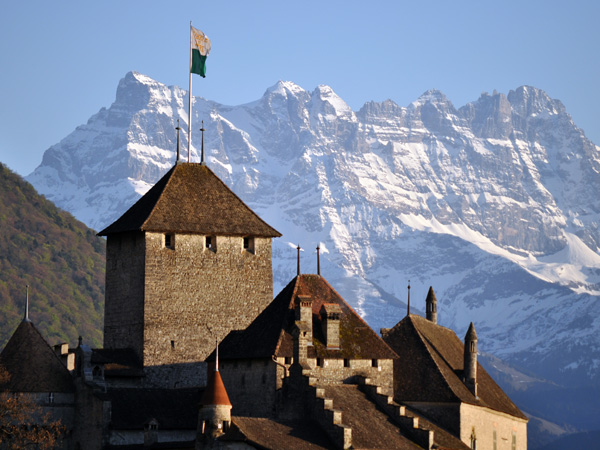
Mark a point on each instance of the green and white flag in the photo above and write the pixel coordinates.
(200, 50)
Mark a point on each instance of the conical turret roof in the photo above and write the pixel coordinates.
(215, 392)
(32, 364)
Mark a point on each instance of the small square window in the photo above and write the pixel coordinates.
(288, 360)
(374, 363)
(210, 243)
(249, 244)
(169, 240)
(320, 362)
(346, 363)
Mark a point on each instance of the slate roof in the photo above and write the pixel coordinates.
(278, 435)
(190, 198)
(378, 431)
(32, 364)
(432, 364)
(271, 332)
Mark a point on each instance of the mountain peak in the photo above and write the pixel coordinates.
(285, 88)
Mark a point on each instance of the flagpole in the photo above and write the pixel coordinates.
(190, 99)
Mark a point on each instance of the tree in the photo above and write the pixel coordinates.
(23, 424)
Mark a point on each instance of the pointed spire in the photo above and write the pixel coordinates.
(408, 303)
(217, 356)
(178, 149)
(298, 248)
(470, 359)
(26, 316)
(318, 261)
(431, 306)
(202, 148)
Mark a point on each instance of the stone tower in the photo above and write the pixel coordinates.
(470, 368)
(431, 306)
(188, 254)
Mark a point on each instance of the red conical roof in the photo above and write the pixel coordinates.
(215, 393)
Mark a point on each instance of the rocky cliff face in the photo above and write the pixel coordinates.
(495, 204)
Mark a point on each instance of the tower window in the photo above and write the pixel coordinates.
(173, 344)
(374, 363)
(249, 244)
(51, 397)
(346, 363)
(210, 243)
(170, 241)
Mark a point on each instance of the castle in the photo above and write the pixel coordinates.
(189, 266)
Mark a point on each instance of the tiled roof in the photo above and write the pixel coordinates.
(432, 363)
(376, 432)
(278, 435)
(190, 198)
(271, 332)
(215, 393)
(32, 364)
(174, 409)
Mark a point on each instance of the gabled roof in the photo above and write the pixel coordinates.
(32, 364)
(190, 198)
(432, 363)
(271, 332)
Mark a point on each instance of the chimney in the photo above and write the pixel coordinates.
(470, 363)
(304, 314)
(331, 314)
(150, 433)
(431, 306)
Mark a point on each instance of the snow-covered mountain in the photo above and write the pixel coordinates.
(494, 204)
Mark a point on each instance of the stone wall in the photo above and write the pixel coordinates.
(124, 298)
(251, 385)
(483, 423)
(194, 295)
(334, 371)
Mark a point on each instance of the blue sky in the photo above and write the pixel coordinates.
(62, 61)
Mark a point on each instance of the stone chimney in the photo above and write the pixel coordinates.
(304, 314)
(331, 314)
(470, 363)
(431, 306)
(150, 433)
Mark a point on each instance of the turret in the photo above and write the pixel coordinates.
(214, 418)
(470, 363)
(431, 306)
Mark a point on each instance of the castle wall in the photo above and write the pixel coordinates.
(251, 385)
(194, 295)
(483, 422)
(124, 299)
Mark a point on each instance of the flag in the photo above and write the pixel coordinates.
(200, 49)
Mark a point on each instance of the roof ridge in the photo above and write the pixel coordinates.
(282, 331)
(236, 196)
(153, 210)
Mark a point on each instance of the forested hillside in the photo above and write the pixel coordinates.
(60, 259)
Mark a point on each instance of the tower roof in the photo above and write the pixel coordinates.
(432, 358)
(215, 393)
(471, 335)
(190, 198)
(271, 332)
(431, 296)
(32, 364)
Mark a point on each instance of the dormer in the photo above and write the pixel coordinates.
(331, 314)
